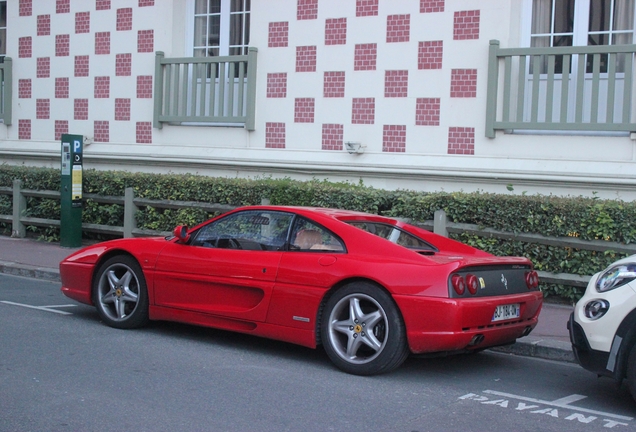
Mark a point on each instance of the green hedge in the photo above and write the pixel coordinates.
(585, 218)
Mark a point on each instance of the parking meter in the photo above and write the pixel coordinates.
(71, 191)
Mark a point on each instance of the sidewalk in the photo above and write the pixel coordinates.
(35, 259)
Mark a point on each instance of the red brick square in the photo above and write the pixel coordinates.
(145, 41)
(144, 132)
(365, 56)
(62, 88)
(429, 6)
(144, 3)
(102, 4)
(278, 34)
(427, 111)
(43, 67)
(124, 19)
(101, 88)
(398, 28)
(274, 135)
(429, 55)
(42, 109)
(277, 85)
(102, 43)
(61, 128)
(144, 86)
(332, 136)
(24, 88)
(123, 64)
(394, 138)
(363, 111)
(80, 109)
(461, 140)
(25, 7)
(466, 25)
(82, 22)
(62, 45)
(366, 8)
(334, 85)
(307, 9)
(336, 31)
(304, 110)
(396, 83)
(463, 83)
(44, 25)
(306, 59)
(62, 6)
(101, 131)
(24, 129)
(25, 47)
(122, 109)
(81, 66)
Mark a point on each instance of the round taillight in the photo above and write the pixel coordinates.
(472, 283)
(458, 284)
(532, 279)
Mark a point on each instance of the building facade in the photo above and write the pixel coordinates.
(508, 96)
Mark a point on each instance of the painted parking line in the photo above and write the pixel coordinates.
(550, 408)
(50, 308)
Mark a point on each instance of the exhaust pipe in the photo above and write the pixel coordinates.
(476, 340)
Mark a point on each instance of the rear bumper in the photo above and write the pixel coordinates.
(446, 325)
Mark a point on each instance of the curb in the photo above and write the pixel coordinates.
(25, 270)
(547, 349)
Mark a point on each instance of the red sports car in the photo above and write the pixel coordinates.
(370, 289)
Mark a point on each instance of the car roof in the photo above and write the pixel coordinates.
(329, 212)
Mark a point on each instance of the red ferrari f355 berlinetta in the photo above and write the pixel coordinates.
(369, 289)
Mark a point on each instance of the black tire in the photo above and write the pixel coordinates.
(120, 293)
(631, 372)
(362, 330)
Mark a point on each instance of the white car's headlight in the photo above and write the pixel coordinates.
(615, 276)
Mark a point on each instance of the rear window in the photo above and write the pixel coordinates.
(393, 234)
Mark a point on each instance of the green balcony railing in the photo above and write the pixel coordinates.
(579, 88)
(211, 91)
(6, 90)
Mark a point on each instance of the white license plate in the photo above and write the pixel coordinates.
(504, 312)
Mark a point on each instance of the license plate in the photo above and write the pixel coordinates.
(504, 312)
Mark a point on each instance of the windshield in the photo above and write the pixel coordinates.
(393, 234)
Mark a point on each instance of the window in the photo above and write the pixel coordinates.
(221, 27)
(3, 29)
(307, 236)
(247, 230)
(558, 23)
(393, 234)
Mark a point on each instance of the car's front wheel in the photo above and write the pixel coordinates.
(631, 372)
(120, 293)
(362, 330)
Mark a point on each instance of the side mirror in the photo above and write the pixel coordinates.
(181, 233)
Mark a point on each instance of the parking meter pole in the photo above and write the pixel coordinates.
(71, 191)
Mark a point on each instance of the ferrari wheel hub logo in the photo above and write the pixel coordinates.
(357, 328)
(118, 292)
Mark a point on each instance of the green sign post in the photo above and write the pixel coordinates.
(71, 191)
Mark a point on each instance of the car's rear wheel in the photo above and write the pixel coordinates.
(121, 296)
(362, 330)
(631, 372)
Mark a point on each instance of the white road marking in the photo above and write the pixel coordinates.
(560, 403)
(43, 308)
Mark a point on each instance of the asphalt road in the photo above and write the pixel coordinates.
(69, 372)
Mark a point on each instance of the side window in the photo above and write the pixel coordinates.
(221, 27)
(248, 230)
(307, 236)
(393, 234)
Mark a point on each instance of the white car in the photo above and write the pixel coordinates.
(603, 324)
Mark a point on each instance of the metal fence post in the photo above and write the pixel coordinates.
(439, 223)
(19, 207)
(130, 222)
